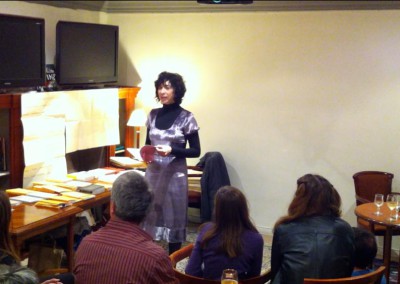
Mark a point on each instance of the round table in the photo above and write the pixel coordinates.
(366, 211)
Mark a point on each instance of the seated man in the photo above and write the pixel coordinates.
(121, 252)
(366, 249)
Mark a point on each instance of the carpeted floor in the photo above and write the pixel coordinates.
(393, 270)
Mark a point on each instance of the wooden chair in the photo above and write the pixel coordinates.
(367, 184)
(370, 278)
(188, 279)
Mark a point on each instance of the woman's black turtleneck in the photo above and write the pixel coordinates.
(167, 115)
(164, 120)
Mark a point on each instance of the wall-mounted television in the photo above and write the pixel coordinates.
(86, 53)
(22, 52)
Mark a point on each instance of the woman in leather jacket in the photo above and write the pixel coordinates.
(312, 241)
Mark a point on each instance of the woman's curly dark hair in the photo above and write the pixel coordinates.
(176, 82)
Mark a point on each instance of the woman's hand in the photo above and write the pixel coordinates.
(163, 150)
(52, 281)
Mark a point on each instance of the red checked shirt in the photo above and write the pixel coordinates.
(120, 253)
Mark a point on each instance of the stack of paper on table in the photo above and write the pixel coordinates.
(49, 188)
(126, 162)
(25, 198)
(81, 176)
(65, 198)
(31, 196)
(104, 171)
(52, 203)
(79, 195)
(29, 192)
(108, 179)
(74, 184)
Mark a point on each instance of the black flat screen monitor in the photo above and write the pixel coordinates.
(86, 53)
(22, 52)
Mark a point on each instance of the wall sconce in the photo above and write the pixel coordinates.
(137, 119)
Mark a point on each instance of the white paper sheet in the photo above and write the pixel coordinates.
(56, 123)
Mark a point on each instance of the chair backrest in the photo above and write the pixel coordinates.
(370, 278)
(368, 183)
(188, 279)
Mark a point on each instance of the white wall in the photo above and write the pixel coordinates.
(279, 94)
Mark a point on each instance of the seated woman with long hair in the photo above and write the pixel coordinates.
(312, 241)
(230, 241)
(8, 255)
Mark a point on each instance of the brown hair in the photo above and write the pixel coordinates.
(231, 219)
(315, 196)
(6, 244)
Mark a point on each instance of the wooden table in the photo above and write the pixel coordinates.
(28, 221)
(366, 212)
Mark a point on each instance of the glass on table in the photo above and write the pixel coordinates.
(392, 203)
(229, 276)
(379, 200)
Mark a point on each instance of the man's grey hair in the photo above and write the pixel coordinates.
(16, 274)
(131, 196)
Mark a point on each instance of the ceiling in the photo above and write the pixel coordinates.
(151, 6)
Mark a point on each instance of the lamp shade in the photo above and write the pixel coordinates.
(138, 118)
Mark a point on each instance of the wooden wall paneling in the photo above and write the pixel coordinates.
(17, 163)
(129, 95)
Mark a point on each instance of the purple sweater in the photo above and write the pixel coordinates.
(207, 263)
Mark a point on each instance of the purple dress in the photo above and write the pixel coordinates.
(168, 180)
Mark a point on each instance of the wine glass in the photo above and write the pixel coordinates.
(379, 199)
(229, 276)
(391, 202)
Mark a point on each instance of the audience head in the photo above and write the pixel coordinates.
(131, 197)
(315, 196)
(17, 275)
(231, 218)
(231, 208)
(365, 248)
(5, 219)
(177, 84)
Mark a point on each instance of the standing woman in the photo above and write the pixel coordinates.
(169, 128)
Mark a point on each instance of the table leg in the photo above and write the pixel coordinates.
(70, 244)
(387, 251)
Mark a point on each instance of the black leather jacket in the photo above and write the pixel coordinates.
(312, 247)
